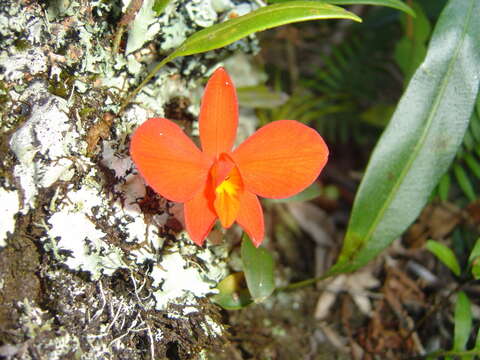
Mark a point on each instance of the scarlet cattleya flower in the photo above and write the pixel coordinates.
(278, 161)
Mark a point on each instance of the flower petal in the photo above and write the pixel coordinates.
(168, 160)
(221, 168)
(250, 217)
(218, 114)
(281, 159)
(200, 216)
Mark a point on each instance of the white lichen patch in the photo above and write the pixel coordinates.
(119, 164)
(172, 26)
(43, 144)
(130, 219)
(69, 165)
(143, 28)
(197, 278)
(62, 346)
(32, 61)
(9, 206)
(212, 327)
(202, 12)
(72, 230)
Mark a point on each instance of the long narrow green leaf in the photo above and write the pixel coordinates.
(445, 255)
(421, 139)
(463, 322)
(444, 187)
(396, 4)
(477, 341)
(474, 262)
(464, 182)
(267, 17)
(473, 164)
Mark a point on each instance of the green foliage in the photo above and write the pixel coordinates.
(420, 141)
(159, 6)
(461, 333)
(463, 312)
(445, 255)
(396, 4)
(232, 293)
(473, 260)
(463, 322)
(465, 172)
(352, 81)
(448, 258)
(258, 266)
(225, 33)
(412, 47)
(264, 18)
(258, 274)
(349, 71)
(313, 110)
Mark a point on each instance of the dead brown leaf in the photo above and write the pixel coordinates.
(101, 130)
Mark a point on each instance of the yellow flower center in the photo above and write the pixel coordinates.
(228, 187)
(227, 198)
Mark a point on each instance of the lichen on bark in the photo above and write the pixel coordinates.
(93, 264)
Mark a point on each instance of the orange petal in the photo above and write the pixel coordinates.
(227, 198)
(168, 160)
(199, 216)
(281, 159)
(250, 217)
(221, 168)
(218, 114)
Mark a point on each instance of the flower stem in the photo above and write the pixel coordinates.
(150, 75)
(303, 283)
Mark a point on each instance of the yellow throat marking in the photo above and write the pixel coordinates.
(227, 198)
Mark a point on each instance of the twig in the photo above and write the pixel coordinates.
(150, 75)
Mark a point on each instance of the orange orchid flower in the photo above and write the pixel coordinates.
(278, 161)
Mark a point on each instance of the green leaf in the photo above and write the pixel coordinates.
(473, 164)
(464, 182)
(223, 34)
(477, 341)
(396, 4)
(410, 51)
(475, 251)
(445, 255)
(475, 122)
(474, 260)
(264, 18)
(421, 139)
(258, 267)
(463, 322)
(312, 192)
(232, 293)
(444, 187)
(159, 6)
(468, 141)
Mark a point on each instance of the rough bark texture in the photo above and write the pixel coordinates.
(94, 265)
